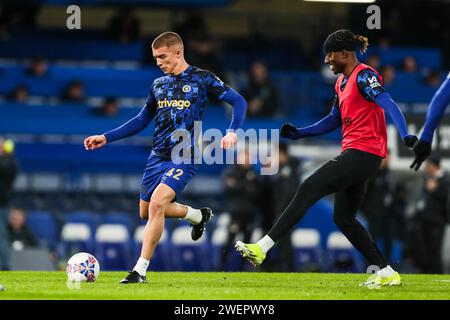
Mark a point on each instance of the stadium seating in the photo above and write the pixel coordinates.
(189, 255)
(76, 237)
(98, 63)
(121, 218)
(162, 258)
(218, 240)
(425, 57)
(342, 256)
(113, 247)
(223, 220)
(43, 226)
(308, 255)
(91, 219)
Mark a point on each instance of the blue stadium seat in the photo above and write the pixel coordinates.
(76, 237)
(342, 256)
(308, 255)
(89, 218)
(42, 224)
(113, 247)
(189, 255)
(428, 57)
(218, 240)
(122, 218)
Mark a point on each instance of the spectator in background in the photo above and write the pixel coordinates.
(384, 42)
(261, 93)
(74, 92)
(433, 79)
(374, 61)
(19, 94)
(8, 172)
(192, 26)
(431, 217)
(38, 67)
(241, 192)
(110, 107)
(124, 26)
(388, 73)
(284, 187)
(201, 51)
(410, 64)
(20, 235)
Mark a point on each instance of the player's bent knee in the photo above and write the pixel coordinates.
(156, 208)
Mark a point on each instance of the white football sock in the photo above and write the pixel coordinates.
(265, 243)
(386, 272)
(141, 266)
(194, 216)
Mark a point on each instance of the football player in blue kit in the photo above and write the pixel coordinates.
(176, 100)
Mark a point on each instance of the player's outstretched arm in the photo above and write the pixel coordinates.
(385, 101)
(436, 110)
(239, 109)
(327, 124)
(440, 100)
(131, 127)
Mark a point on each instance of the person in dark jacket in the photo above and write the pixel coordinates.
(283, 188)
(20, 236)
(261, 93)
(241, 190)
(8, 172)
(431, 217)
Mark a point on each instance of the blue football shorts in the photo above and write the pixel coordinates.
(158, 170)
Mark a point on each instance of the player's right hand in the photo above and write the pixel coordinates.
(94, 142)
(289, 131)
(422, 150)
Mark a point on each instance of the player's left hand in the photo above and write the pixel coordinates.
(422, 150)
(410, 140)
(229, 141)
(94, 142)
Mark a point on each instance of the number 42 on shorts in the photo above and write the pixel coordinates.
(176, 176)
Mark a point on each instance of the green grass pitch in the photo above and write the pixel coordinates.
(27, 285)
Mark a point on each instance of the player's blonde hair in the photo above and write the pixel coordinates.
(167, 39)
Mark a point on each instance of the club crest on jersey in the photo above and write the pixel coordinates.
(186, 88)
(179, 104)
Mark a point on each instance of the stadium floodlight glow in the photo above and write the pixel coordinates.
(343, 1)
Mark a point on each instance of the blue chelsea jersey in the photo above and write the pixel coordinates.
(177, 102)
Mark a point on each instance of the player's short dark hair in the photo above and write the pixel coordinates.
(167, 39)
(345, 40)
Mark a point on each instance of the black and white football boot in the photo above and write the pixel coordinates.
(198, 229)
(134, 277)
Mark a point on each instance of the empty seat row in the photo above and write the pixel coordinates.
(116, 242)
